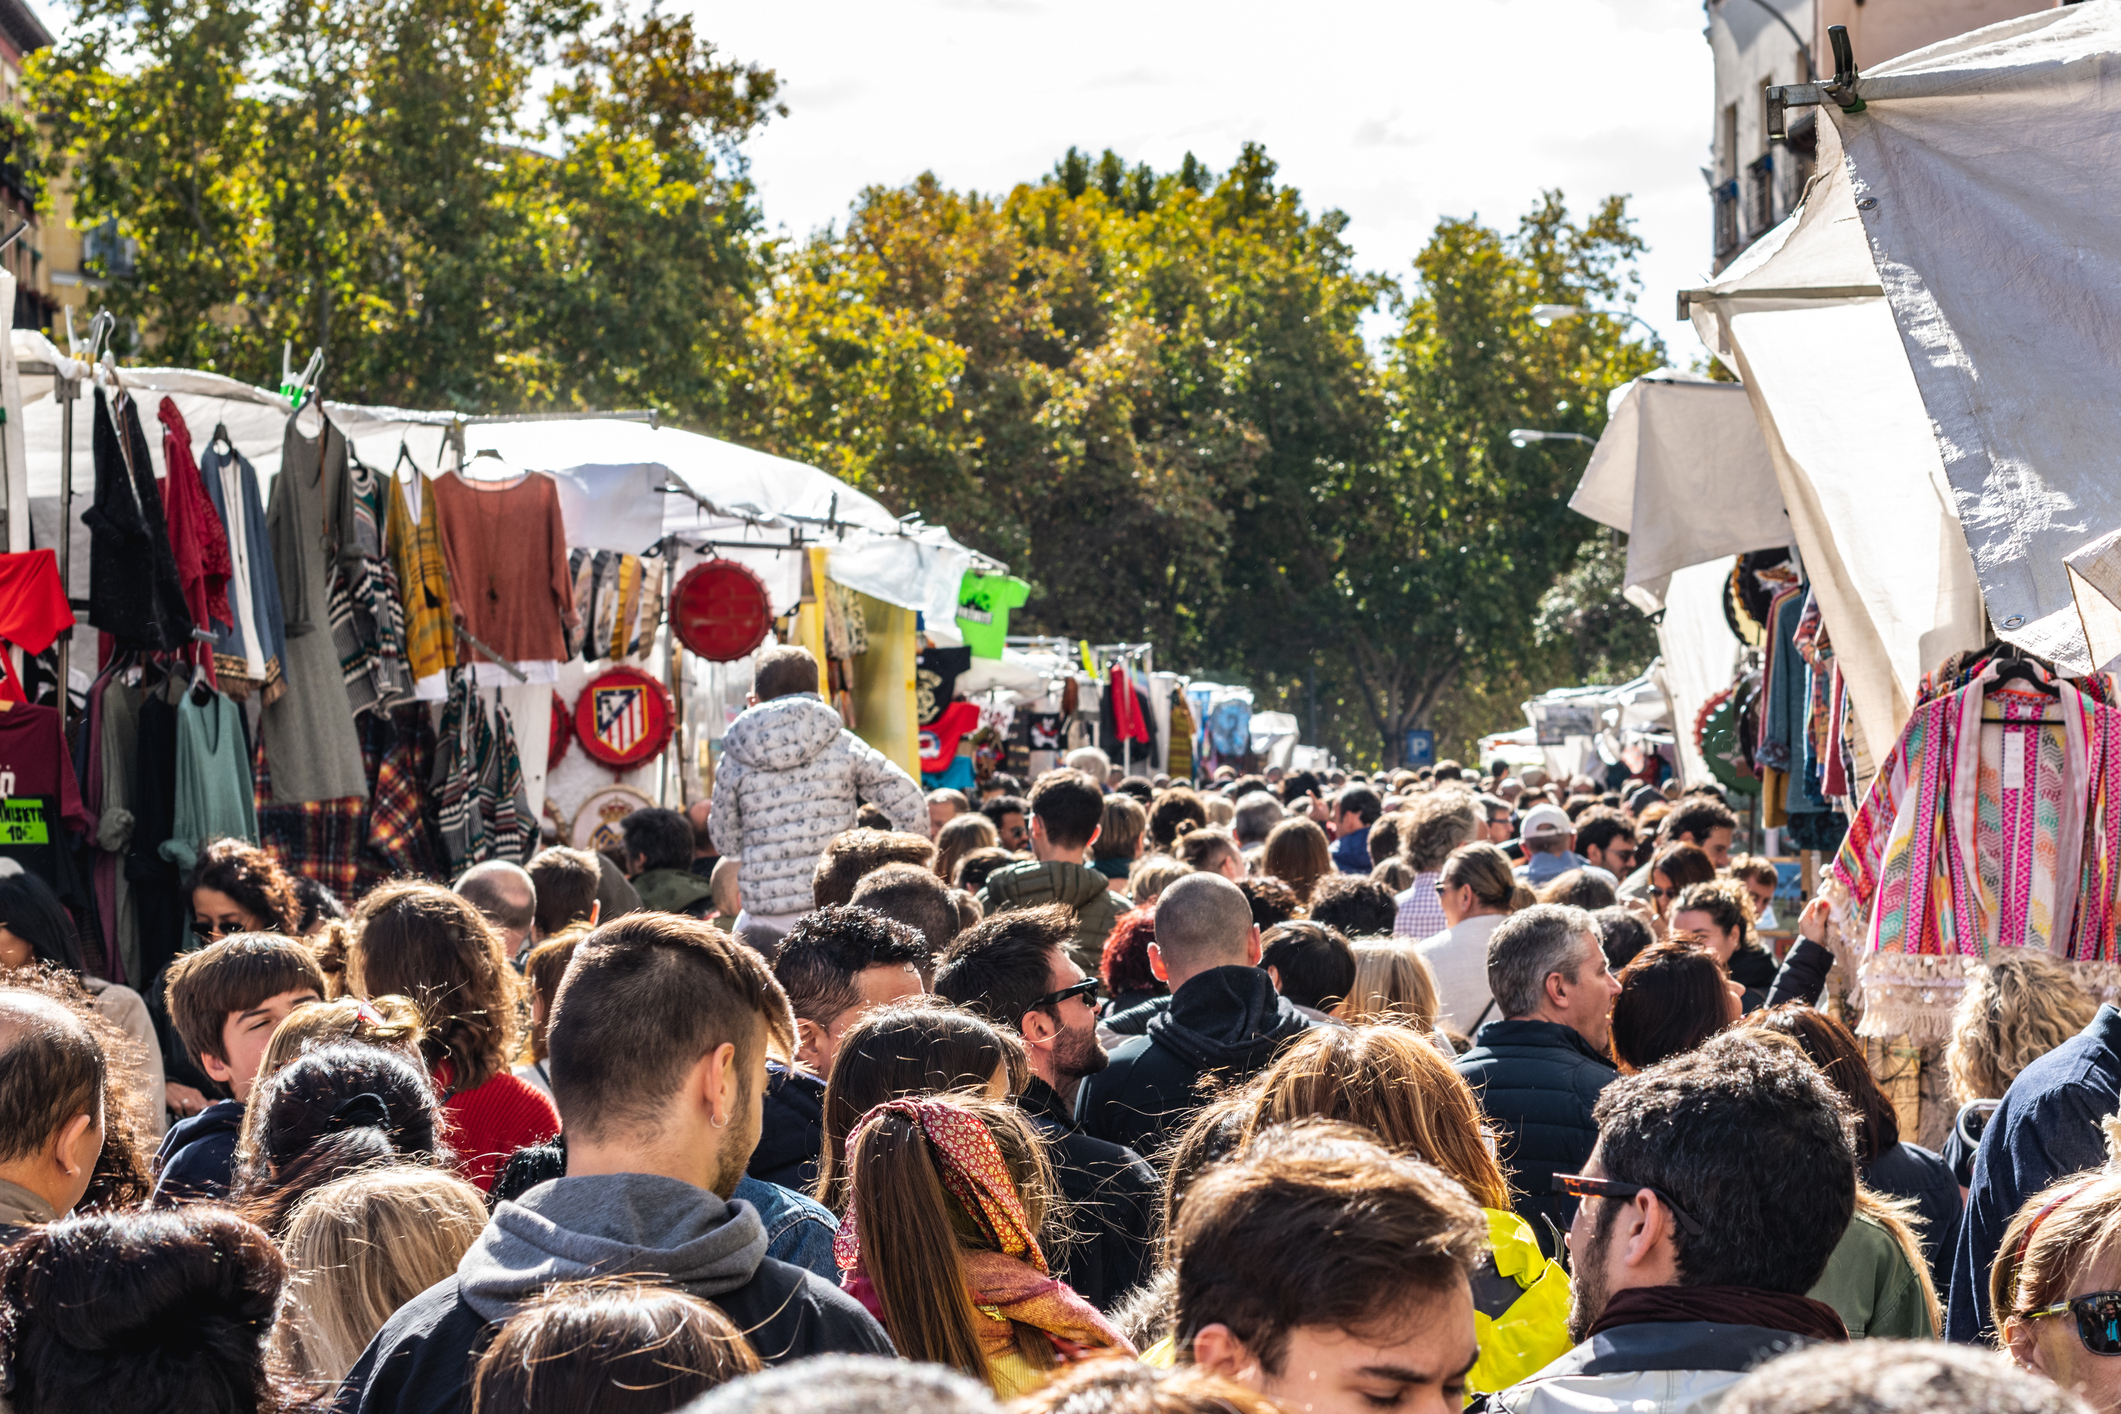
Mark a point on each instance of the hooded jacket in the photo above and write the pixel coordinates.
(602, 1225)
(1684, 1367)
(791, 777)
(675, 891)
(1081, 888)
(198, 1155)
(1224, 1024)
(1114, 1203)
(792, 1130)
(1536, 1081)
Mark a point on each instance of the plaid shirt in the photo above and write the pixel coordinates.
(1420, 911)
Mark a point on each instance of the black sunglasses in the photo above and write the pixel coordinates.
(1086, 989)
(2098, 1319)
(215, 928)
(1578, 1185)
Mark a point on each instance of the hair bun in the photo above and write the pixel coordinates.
(363, 1111)
(1183, 828)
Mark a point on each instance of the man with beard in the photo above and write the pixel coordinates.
(657, 1046)
(1721, 1183)
(1014, 969)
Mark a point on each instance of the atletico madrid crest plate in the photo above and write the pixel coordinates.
(623, 717)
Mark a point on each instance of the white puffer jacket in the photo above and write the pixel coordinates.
(791, 777)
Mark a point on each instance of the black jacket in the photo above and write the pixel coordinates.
(1113, 1201)
(1537, 1081)
(792, 1134)
(1802, 976)
(198, 1155)
(1911, 1171)
(1222, 1027)
(1753, 969)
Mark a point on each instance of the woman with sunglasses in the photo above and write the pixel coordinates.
(2056, 1287)
(1671, 872)
(239, 888)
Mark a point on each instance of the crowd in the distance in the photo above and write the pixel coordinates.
(1098, 1096)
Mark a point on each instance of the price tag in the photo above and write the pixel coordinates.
(2014, 749)
(22, 822)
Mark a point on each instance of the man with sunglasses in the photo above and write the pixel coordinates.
(1722, 1181)
(1014, 969)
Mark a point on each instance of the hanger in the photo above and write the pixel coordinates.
(404, 459)
(500, 471)
(221, 441)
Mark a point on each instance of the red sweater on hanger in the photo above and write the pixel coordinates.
(1126, 707)
(196, 535)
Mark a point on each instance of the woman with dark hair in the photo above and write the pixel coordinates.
(424, 942)
(329, 1112)
(1673, 997)
(1129, 981)
(141, 1313)
(922, 1047)
(1719, 916)
(941, 1242)
(239, 888)
(1297, 854)
(1674, 868)
(973, 869)
(1180, 805)
(34, 928)
(959, 837)
(609, 1347)
(1621, 934)
(1887, 1163)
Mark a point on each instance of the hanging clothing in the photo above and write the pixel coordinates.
(1126, 707)
(40, 801)
(1179, 764)
(133, 591)
(162, 911)
(309, 734)
(935, 677)
(117, 726)
(399, 839)
(247, 653)
(482, 807)
(414, 540)
(215, 796)
(197, 538)
(367, 617)
(939, 739)
(1976, 837)
(507, 554)
(33, 611)
(983, 605)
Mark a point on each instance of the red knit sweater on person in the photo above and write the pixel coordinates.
(492, 1121)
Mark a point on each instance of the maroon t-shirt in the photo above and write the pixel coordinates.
(39, 797)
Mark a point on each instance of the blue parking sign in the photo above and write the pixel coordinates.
(1420, 748)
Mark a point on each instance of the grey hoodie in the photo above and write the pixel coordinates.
(629, 1224)
(790, 778)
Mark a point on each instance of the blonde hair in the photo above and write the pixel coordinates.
(2013, 1011)
(1393, 985)
(1903, 1220)
(359, 1248)
(1221, 809)
(391, 1022)
(1151, 875)
(2069, 1225)
(1201, 847)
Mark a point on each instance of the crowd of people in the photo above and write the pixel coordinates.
(1097, 1094)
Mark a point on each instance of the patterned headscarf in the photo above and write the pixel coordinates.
(970, 1165)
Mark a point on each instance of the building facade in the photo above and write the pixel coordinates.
(1754, 183)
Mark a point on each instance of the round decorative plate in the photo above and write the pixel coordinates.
(623, 717)
(720, 611)
(596, 821)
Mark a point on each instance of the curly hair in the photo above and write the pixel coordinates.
(2013, 1011)
(1125, 963)
(423, 942)
(254, 879)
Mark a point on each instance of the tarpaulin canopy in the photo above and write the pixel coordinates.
(1681, 468)
(1803, 322)
(1982, 172)
(1697, 654)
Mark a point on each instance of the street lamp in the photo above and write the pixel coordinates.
(1526, 436)
(1546, 316)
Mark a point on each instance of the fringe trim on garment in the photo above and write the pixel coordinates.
(1911, 995)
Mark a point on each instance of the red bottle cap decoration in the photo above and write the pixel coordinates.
(623, 717)
(562, 731)
(720, 611)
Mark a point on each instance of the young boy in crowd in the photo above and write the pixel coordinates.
(227, 999)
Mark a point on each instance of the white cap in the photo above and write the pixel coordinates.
(1544, 821)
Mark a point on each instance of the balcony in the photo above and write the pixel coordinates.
(1725, 198)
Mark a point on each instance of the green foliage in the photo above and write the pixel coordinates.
(362, 175)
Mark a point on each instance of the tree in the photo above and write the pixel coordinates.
(1438, 549)
(362, 175)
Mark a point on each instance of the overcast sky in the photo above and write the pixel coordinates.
(1396, 113)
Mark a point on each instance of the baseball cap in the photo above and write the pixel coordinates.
(1544, 820)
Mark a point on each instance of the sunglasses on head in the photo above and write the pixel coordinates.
(1086, 989)
(2098, 1319)
(1578, 1185)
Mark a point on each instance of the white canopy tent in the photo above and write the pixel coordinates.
(624, 483)
(1682, 470)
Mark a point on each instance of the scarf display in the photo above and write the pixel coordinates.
(1723, 1306)
(1975, 838)
(1011, 1283)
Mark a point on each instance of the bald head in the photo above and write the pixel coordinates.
(51, 1071)
(1203, 921)
(505, 894)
